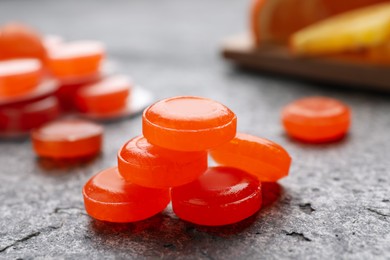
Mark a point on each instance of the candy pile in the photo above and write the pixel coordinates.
(169, 163)
(42, 77)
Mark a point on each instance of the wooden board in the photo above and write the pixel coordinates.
(353, 71)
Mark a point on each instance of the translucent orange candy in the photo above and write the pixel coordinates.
(108, 197)
(19, 76)
(188, 123)
(69, 87)
(68, 138)
(221, 196)
(19, 41)
(76, 59)
(45, 88)
(21, 118)
(148, 165)
(107, 95)
(266, 160)
(316, 119)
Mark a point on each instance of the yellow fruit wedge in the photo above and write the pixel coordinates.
(354, 30)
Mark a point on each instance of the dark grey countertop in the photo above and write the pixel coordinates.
(335, 203)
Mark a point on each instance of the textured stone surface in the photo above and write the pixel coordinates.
(335, 204)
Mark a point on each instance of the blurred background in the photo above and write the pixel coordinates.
(328, 206)
(150, 40)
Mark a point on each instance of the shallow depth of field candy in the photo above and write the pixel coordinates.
(205, 130)
(316, 119)
(45, 77)
(168, 163)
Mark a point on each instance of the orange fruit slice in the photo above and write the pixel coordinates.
(276, 20)
(363, 28)
(380, 54)
(338, 6)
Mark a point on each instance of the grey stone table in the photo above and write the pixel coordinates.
(335, 203)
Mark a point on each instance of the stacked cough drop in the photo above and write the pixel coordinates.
(169, 162)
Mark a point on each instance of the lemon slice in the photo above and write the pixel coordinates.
(276, 20)
(354, 30)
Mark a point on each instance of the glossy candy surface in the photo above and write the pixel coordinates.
(316, 119)
(76, 59)
(108, 197)
(188, 123)
(221, 196)
(19, 41)
(105, 96)
(266, 160)
(22, 118)
(44, 89)
(19, 76)
(148, 165)
(68, 138)
(68, 89)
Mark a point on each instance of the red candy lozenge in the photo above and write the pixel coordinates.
(266, 160)
(108, 197)
(221, 196)
(68, 89)
(105, 96)
(22, 118)
(19, 41)
(76, 59)
(148, 165)
(188, 123)
(316, 119)
(19, 76)
(68, 138)
(45, 89)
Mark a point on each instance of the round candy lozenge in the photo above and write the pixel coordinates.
(45, 89)
(19, 76)
(68, 138)
(105, 96)
(20, 41)
(75, 59)
(148, 165)
(188, 123)
(108, 197)
(316, 119)
(22, 118)
(221, 196)
(266, 160)
(68, 89)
